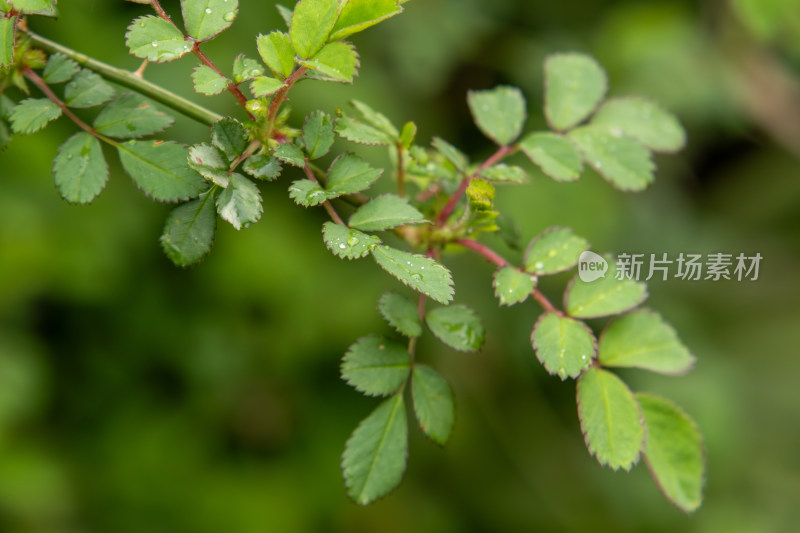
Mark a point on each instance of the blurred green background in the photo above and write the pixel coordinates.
(137, 397)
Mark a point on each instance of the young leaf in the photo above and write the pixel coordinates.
(230, 136)
(205, 19)
(349, 174)
(512, 286)
(338, 61)
(574, 86)
(401, 313)
(625, 163)
(189, 231)
(307, 193)
(499, 113)
(208, 81)
(603, 297)
(643, 340)
(408, 134)
(376, 366)
(451, 153)
(130, 116)
(347, 243)
(33, 114)
(642, 121)
(564, 346)
(416, 271)
(457, 326)
(556, 155)
(358, 15)
(673, 452)
(80, 169)
(312, 23)
(155, 39)
(433, 403)
(263, 167)
(554, 250)
(276, 51)
(87, 89)
(160, 169)
(375, 455)
(291, 154)
(210, 162)
(240, 202)
(59, 69)
(264, 86)
(504, 173)
(7, 29)
(318, 134)
(245, 69)
(358, 132)
(385, 212)
(610, 419)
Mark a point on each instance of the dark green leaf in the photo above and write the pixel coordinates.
(416, 271)
(563, 345)
(512, 286)
(312, 23)
(337, 61)
(401, 313)
(240, 202)
(318, 134)
(625, 163)
(263, 167)
(385, 212)
(33, 114)
(161, 170)
(642, 121)
(130, 116)
(230, 136)
(347, 243)
(575, 84)
(554, 250)
(59, 69)
(457, 326)
(87, 89)
(499, 113)
(189, 231)
(376, 366)
(358, 15)
(205, 19)
(208, 81)
(349, 174)
(155, 39)
(433, 403)
(556, 155)
(291, 154)
(277, 53)
(80, 169)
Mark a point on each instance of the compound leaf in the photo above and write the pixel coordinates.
(358, 15)
(603, 297)
(376, 366)
(80, 169)
(33, 114)
(205, 19)
(564, 346)
(554, 250)
(623, 162)
(87, 89)
(240, 202)
(161, 170)
(189, 231)
(512, 286)
(457, 326)
(574, 86)
(401, 313)
(155, 39)
(556, 155)
(642, 121)
(130, 116)
(318, 134)
(276, 51)
(416, 271)
(433, 403)
(312, 23)
(347, 243)
(208, 81)
(385, 212)
(499, 113)
(349, 174)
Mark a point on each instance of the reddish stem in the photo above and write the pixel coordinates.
(232, 87)
(327, 204)
(280, 96)
(401, 172)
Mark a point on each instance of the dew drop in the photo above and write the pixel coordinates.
(154, 45)
(208, 11)
(539, 265)
(342, 246)
(416, 277)
(229, 16)
(583, 357)
(562, 373)
(352, 241)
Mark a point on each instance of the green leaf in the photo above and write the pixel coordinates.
(189, 231)
(643, 340)
(87, 89)
(205, 19)
(264, 86)
(408, 134)
(349, 174)
(210, 162)
(642, 121)
(276, 51)
(230, 136)
(240, 202)
(358, 15)
(610, 419)
(554, 250)
(160, 169)
(33, 114)
(416, 271)
(307, 193)
(673, 452)
(433, 403)
(245, 69)
(207, 81)
(556, 155)
(401, 313)
(318, 134)
(512, 286)
(375, 455)
(385, 212)
(35, 7)
(359, 132)
(285, 13)
(375, 119)
(347, 243)
(504, 173)
(451, 153)
(312, 23)
(338, 61)
(130, 116)
(291, 154)
(499, 113)
(59, 69)
(457, 326)
(575, 84)
(263, 167)
(8, 28)
(604, 296)
(80, 169)
(563, 345)
(625, 163)
(376, 366)
(155, 39)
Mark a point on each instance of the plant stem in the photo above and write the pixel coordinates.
(232, 88)
(401, 171)
(327, 203)
(280, 96)
(131, 81)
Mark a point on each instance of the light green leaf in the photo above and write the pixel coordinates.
(318, 134)
(307, 193)
(276, 51)
(347, 243)
(358, 15)
(161, 170)
(451, 153)
(554, 250)
(230, 136)
(643, 340)
(556, 155)
(416, 271)
(130, 116)
(205, 19)
(563, 345)
(575, 84)
(408, 134)
(673, 452)
(642, 121)
(349, 174)
(311, 25)
(207, 81)
(504, 173)
(338, 61)
(512, 286)
(376, 366)
(36, 7)
(375, 119)
(499, 113)
(375, 455)
(33, 114)
(457, 326)
(7, 30)
(240, 202)
(401, 313)
(245, 69)
(189, 231)
(264, 86)
(359, 132)
(210, 162)
(87, 89)
(625, 163)
(385, 212)
(285, 13)
(604, 296)
(433, 403)
(291, 154)
(610, 419)
(263, 167)
(59, 69)
(80, 169)
(155, 39)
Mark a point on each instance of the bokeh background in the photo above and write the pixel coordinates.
(137, 397)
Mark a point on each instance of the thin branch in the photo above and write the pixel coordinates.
(280, 96)
(232, 87)
(327, 204)
(401, 171)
